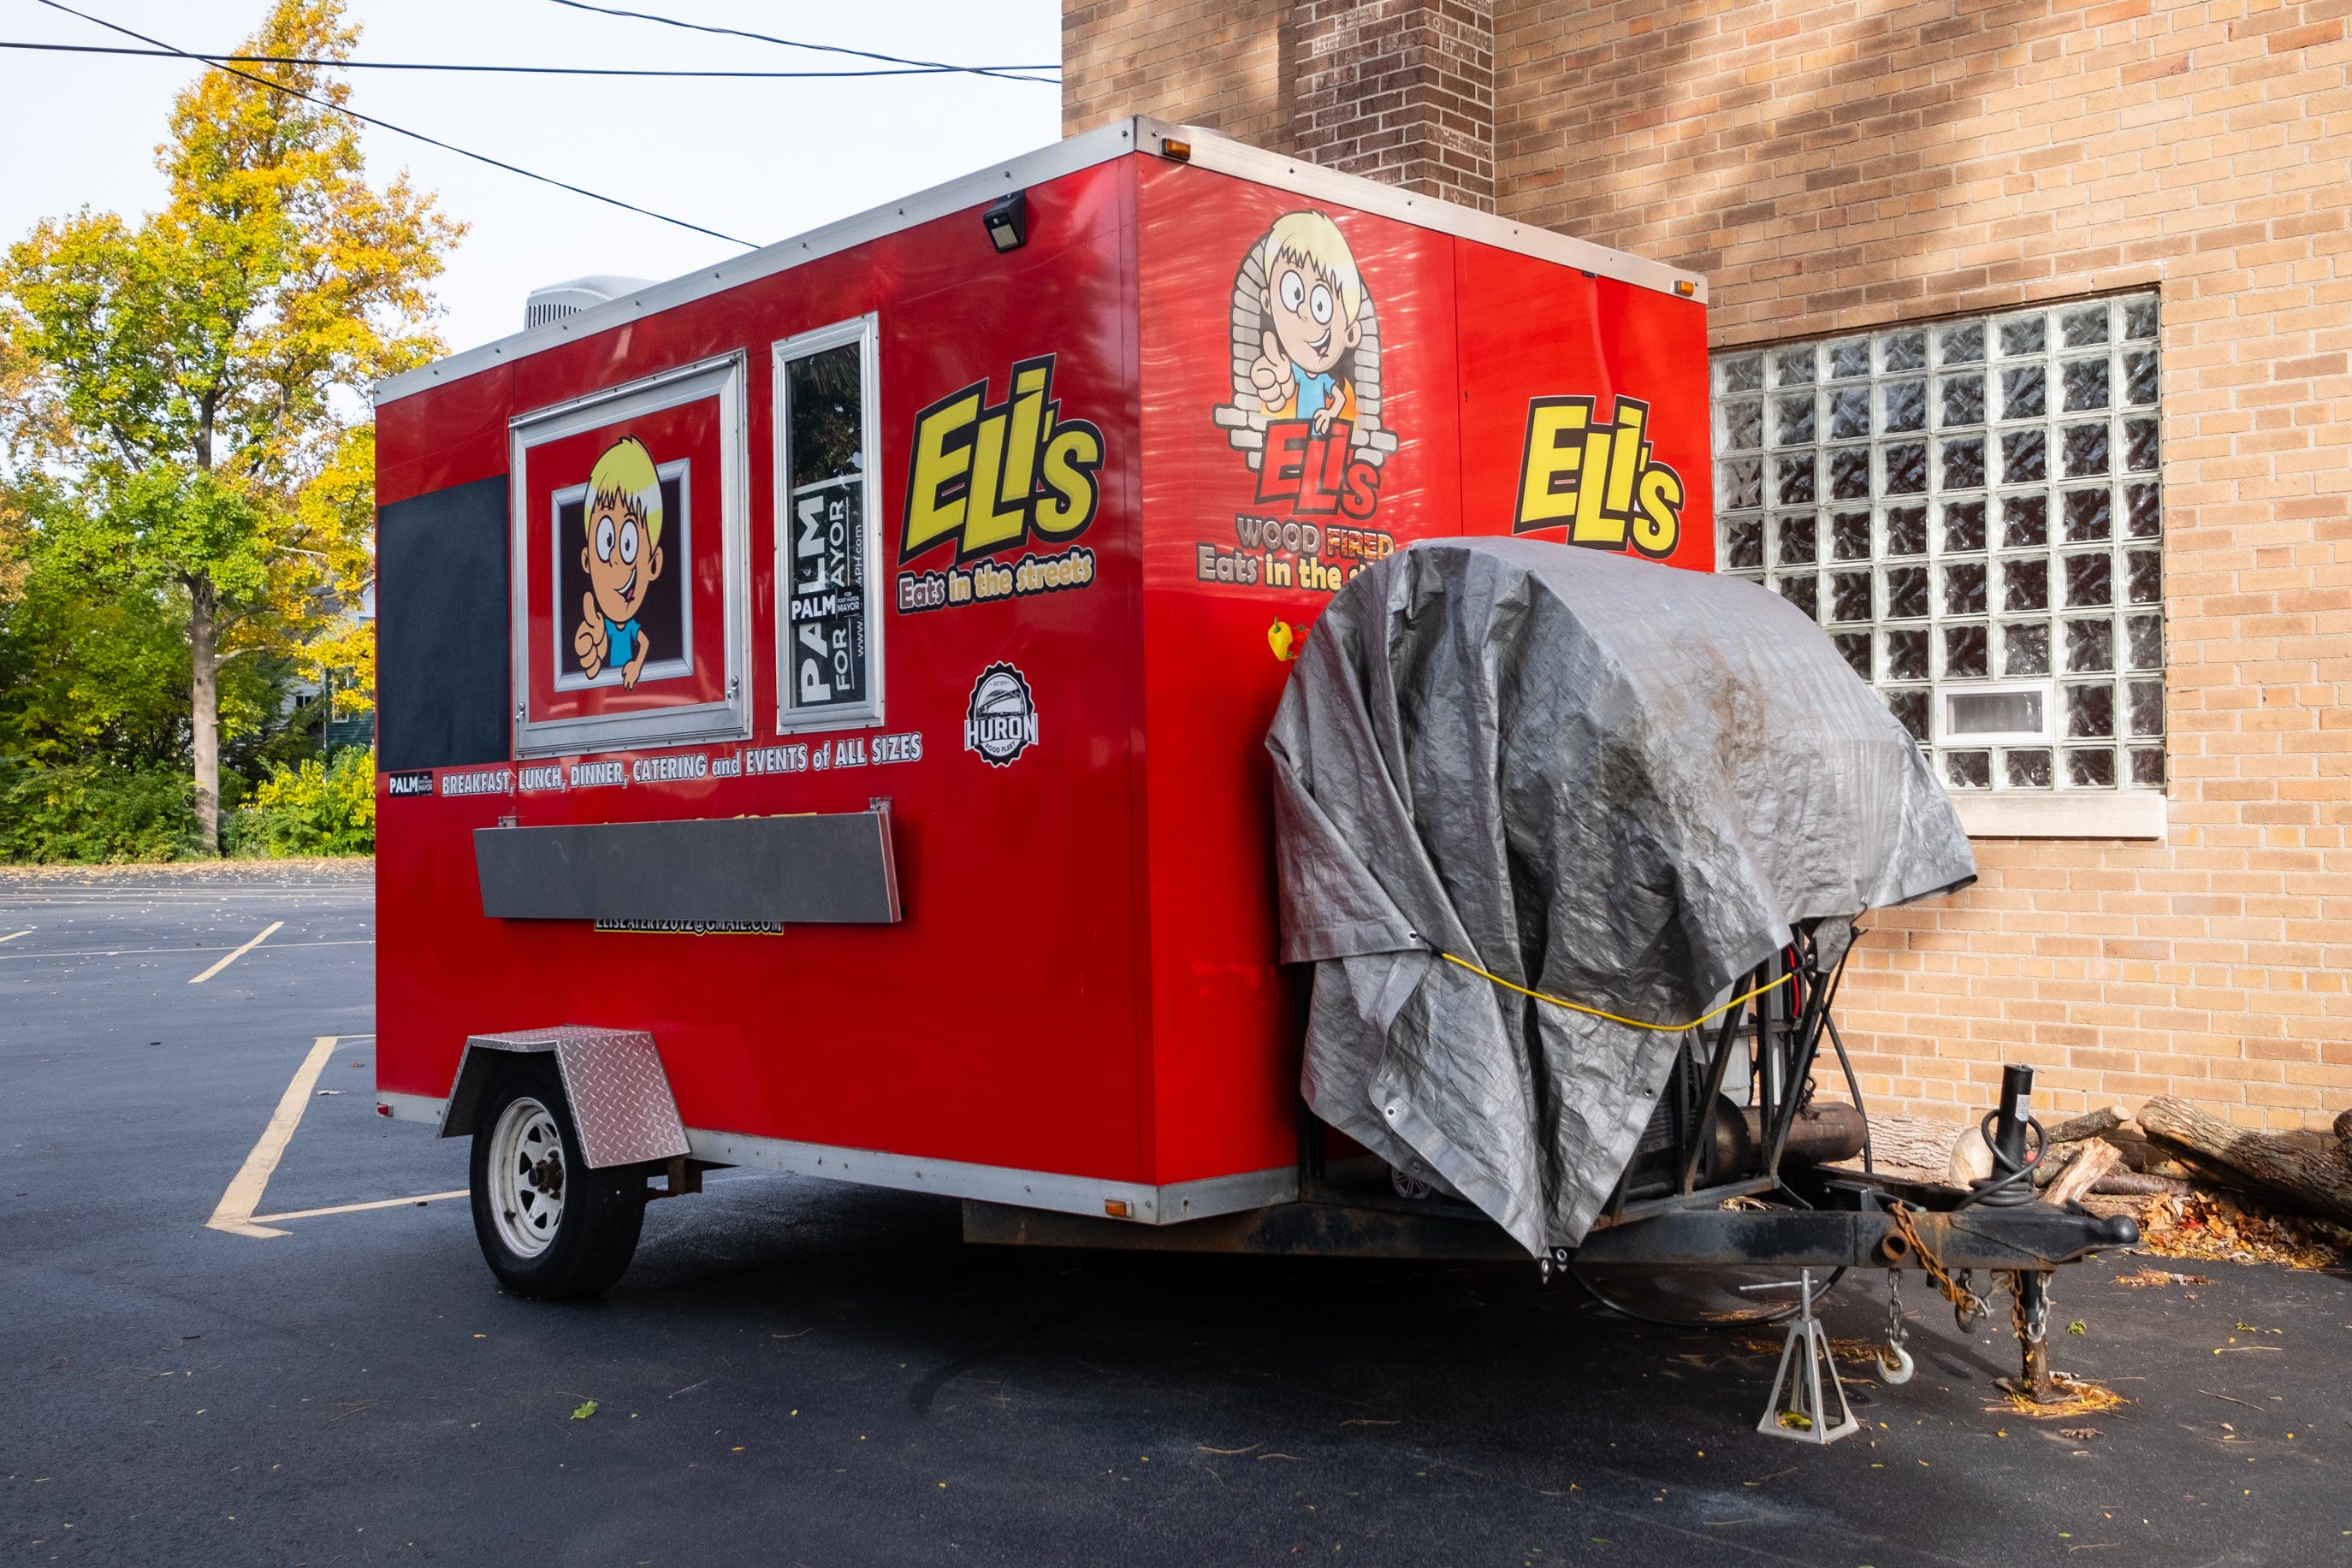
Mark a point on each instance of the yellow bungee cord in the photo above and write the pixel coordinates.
(1612, 1017)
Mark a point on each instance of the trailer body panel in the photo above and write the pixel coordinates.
(1081, 587)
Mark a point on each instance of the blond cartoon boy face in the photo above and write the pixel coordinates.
(1311, 302)
(622, 556)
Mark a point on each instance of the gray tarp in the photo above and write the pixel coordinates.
(1605, 778)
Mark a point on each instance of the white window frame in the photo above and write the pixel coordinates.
(727, 718)
(865, 332)
(1946, 694)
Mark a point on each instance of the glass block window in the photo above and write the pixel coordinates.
(1970, 510)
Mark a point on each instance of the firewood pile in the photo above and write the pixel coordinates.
(2199, 1186)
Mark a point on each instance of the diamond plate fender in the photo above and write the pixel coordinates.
(620, 1096)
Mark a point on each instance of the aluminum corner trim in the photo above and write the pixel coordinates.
(1116, 139)
(1142, 1203)
(426, 1108)
(1067, 156)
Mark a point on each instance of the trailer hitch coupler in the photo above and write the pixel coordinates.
(2004, 1129)
(2009, 1124)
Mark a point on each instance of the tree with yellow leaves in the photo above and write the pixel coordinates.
(200, 373)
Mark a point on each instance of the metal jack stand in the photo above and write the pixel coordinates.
(1803, 1416)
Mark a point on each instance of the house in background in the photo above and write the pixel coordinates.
(337, 731)
(2029, 327)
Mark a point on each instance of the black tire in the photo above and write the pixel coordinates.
(581, 1243)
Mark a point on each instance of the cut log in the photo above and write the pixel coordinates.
(2083, 1173)
(2134, 1184)
(2147, 1158)
(2343, 1129)
(2090, 1124)
(2300, 1178)
(1970, 1160)
(2056, 1158)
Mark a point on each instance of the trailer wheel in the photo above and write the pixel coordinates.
(550, 1228)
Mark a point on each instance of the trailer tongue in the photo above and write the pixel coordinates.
(823, 705)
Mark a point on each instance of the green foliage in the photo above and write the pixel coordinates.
(314, 809)
(177, 388)
(89, 670)
(96, 811)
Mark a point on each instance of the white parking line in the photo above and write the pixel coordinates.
(138, 952)
(234, 1214)
(420, 1200)
(240, 952)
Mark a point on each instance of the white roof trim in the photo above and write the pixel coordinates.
(1209, 151)
(1227, 156)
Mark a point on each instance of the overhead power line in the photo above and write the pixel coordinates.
(1006, 72)
(213, 60)
(401, 130)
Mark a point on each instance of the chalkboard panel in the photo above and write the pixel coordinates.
(830, 868)
(442, 659)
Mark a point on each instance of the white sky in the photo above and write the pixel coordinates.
(762, 159)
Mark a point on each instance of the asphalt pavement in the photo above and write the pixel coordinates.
(798, 1373)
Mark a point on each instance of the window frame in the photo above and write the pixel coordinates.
(868, 711)
(727, 718)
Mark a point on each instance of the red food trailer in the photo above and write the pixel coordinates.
(822, 697)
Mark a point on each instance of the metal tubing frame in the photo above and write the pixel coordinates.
(1717, 1068)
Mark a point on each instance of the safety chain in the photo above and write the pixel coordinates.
(2032, 1327)
(1895, 1309)
(1968, 1309)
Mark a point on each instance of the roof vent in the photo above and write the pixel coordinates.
(557, 301)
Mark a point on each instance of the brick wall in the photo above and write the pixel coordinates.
(1223, 64)
(1833, 166)
(1842, 165)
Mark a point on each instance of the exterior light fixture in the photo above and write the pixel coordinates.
(1008, 221)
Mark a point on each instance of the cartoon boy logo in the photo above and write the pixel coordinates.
(1307, 342)
(622, 556)
(1310, 302)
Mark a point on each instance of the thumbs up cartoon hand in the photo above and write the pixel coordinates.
(590, 641)
(1270, 373)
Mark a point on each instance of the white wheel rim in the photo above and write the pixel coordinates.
(526, 1177)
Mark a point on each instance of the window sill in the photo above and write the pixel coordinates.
(2125, 814)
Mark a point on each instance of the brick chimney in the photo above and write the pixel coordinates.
(1401, 90)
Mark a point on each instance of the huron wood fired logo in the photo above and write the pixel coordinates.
(1001, 721)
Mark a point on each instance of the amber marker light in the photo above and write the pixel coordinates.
(1180, 151)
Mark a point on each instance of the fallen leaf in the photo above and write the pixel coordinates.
(586, 1409)
(2147, 1277)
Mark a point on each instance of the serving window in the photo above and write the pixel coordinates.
(829, 547)
(631, 565)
